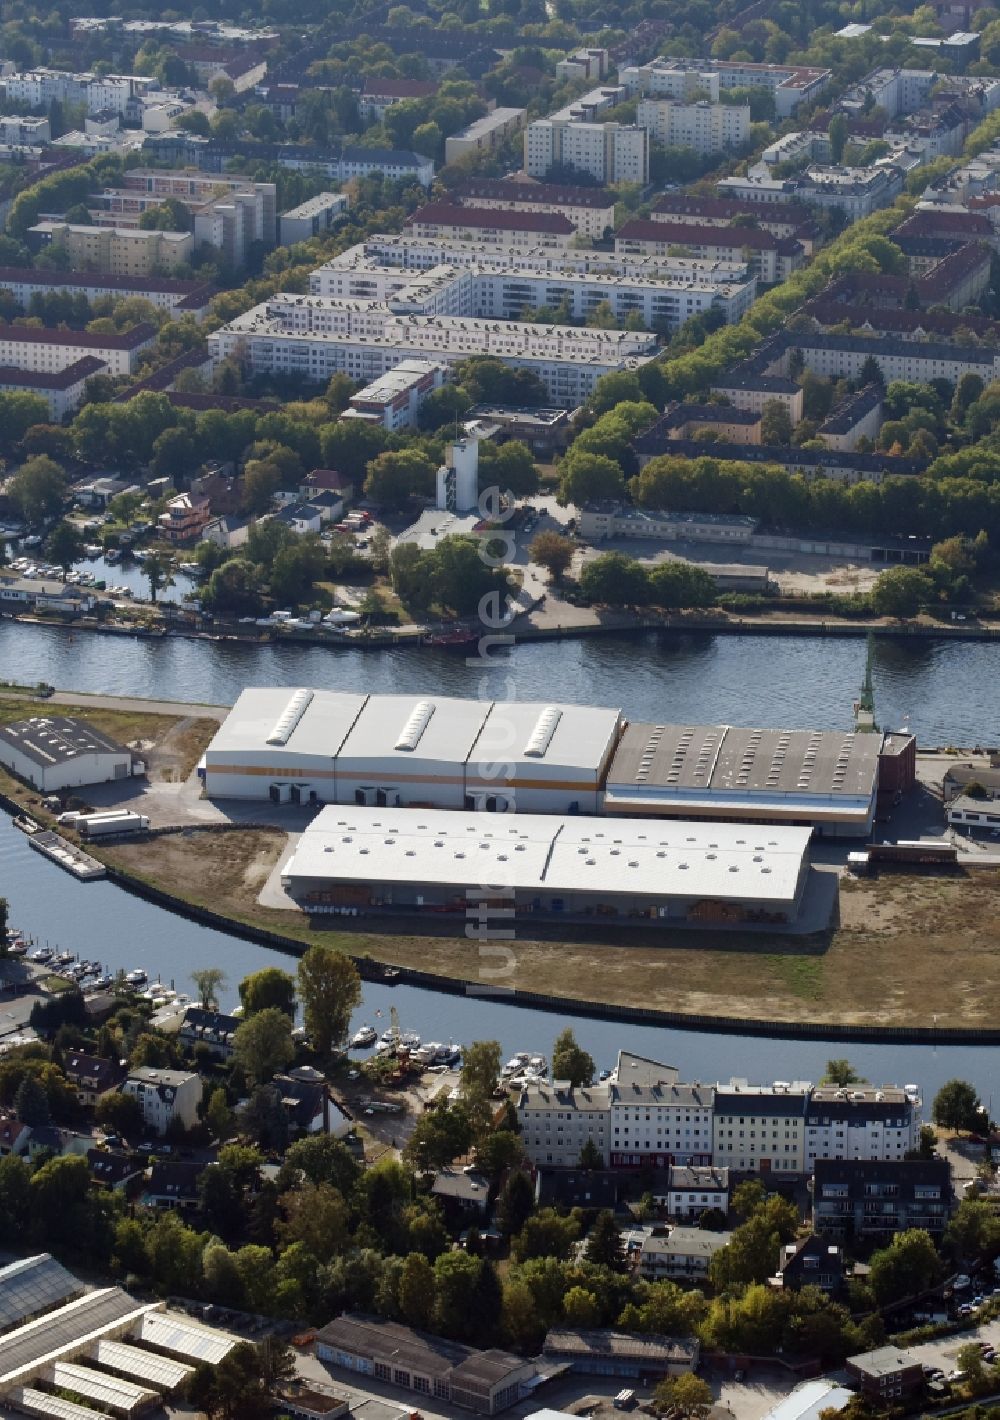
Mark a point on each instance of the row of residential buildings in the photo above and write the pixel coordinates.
(643, 1116)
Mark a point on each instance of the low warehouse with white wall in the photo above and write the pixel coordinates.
(414, 860)
(321, 746)
(58, 752)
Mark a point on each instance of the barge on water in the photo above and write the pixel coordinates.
(67, 855)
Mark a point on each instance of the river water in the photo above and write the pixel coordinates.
(945, 692)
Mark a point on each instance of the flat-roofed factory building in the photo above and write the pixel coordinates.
(414, 860)
(825, 778)
(315, 746)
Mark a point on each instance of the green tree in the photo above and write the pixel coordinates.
(553, 551)
(604, 1242)
(38, 489)
(580, 1308)
(31, 1103)
(321, 1158)
(908, 1267)
(840, 1072)
(570, 1061)
(775, 423)
(515, 1204)
(394, 478)
(687, 1395)
(438, 1136)
(218, 1115)
(330, 992)
(590, 1156)
(614, 579)
(417, 1291)
(546, 1234)
(234, 588)
(900, 592)
(315, 1215)
(269, 987)
(158, 574)
(837, 134)
(120, 1114)
(263, 1045)
(590, 477)
(973, 1234)
(64, 545)
(957, 1106)
(208, 981)
(480, 1073)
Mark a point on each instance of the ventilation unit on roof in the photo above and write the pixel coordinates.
(290, 717)
(420, 718)
(541, 736)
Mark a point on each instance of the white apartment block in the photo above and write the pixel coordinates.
(313, 217)
(49, 351)
(685, 79)
(643, 1117)
(24, 131)
(591, 211)
(38, 88)
(586, 64)
(861, 1122)
(165, 1095)
(394, 400)
(484, 134)
(760, 1128)
(177, 297)
(427, 277)
(703, 126)
(895, 91)
(574, 137)
(195, 188)
(314, 337)
(556, 1121)
(119, 251)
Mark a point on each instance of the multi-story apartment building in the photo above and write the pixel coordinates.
(679, 1253)
(574, 137)
(434, 276)
(487, 226)
(779, 220)
(484, 134)
(379, 95)
(585, 64)
(48, 351)
(894, 91)
(38, 88)
(861, 1122)
(702, 126)
(165, 1096)
(63, 389)
(312, 218)
(771, 258)
(556, 1121)
(760, 1128)
(315, 337)
(684, 80)
(657, 1123)
(590, 209)
(119, 251)
(870, 1199)
(791, 85)
(24, 131)
(178, 297)
(394, 400)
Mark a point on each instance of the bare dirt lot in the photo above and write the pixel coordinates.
(909, 950)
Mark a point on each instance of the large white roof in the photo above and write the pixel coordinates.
(316, 721)
(543, 851)
(414, 727)
(517, 733)
(808, 1401)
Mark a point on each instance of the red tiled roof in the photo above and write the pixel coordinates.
(123, 340)
(690, 234)
(39, 276)
(541, 192)
(51, 379)
(443, 214)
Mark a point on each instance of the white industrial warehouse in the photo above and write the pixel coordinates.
(415, 859)
(393, 751)
(308, 746)
(59, 752)
(55, 1335)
